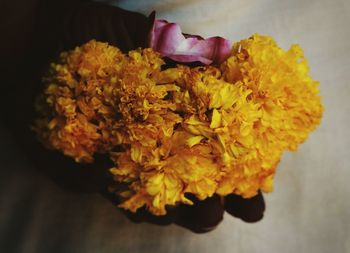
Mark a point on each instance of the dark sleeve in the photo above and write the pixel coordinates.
(67, 24)
(35, 31)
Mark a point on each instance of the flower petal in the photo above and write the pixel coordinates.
(167, 39)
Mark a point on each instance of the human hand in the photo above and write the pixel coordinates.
(64, 25)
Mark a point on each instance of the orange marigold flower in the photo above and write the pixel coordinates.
(204, 130)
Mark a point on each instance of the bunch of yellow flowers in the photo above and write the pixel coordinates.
(170, 131)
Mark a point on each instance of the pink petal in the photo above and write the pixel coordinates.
(167, 39)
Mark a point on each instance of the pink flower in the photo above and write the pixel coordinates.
(167, 39)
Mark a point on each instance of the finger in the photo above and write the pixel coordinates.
(249, 210)
(203, 216)
(142, 215)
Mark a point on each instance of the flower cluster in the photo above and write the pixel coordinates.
(170, 131)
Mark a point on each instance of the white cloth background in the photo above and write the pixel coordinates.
(309, 210)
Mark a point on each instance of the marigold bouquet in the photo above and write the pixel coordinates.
(216, 127)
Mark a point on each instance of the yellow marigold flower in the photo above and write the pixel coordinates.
(205, 130)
